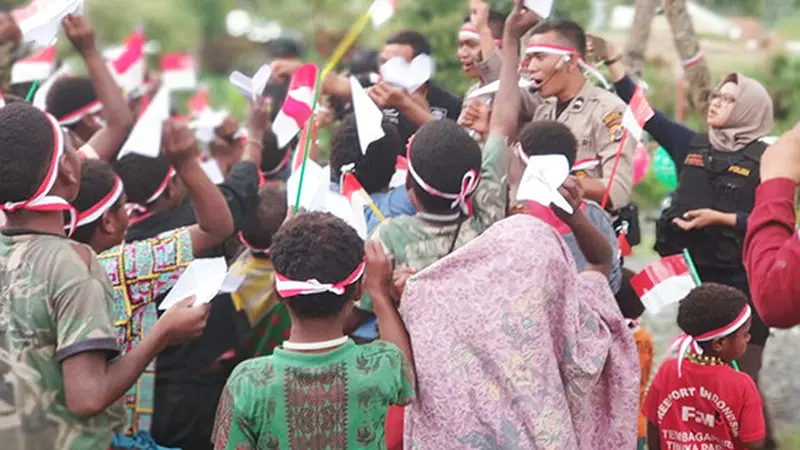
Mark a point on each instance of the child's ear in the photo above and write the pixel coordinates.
(359, 290)
(718, 345)
(107, 224)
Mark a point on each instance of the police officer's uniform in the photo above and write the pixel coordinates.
(595, 118)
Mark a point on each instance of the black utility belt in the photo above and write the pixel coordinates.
(626, 221)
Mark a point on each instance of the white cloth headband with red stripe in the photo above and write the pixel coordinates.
(469, 182)
(251, 247)
(685, 342)
(75, 116)
(130, 207)
(469, 32)
(288, 288)
(566, 51)
(42, 200)
(95, 212)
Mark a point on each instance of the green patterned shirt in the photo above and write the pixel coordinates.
(52, 307)
(300, 401)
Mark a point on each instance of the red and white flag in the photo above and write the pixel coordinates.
(637, 114)
(36, 67)
(40, 20)
(296, 109)
(128, 68)
(299, 152)
(198, 103)
(178, 71)
(664, 282)
(381, 11)
(400, 173)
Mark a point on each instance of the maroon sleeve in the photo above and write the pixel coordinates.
(752, 427)
(772, 254)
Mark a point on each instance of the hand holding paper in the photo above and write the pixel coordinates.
(542, 179)
(40, 21)
(368, 117)
(202, 280)
(185, 321)
(411, 76)
(251, 88)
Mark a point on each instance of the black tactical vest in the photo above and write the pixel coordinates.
(724, 181)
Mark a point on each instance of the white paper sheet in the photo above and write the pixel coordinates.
(541, 180)
(212, 169)
(410, 77)
(251, 87)
(40, 21)
(205, 123)
(369, 117)
(145, 139)
(202, 279)
(381, 11)
(542, 8)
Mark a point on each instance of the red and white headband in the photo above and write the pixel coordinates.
(42, 200)
(76, 116)
(469, 32)
(95, 212)
(585, 164)
(251, 247)
(685, 342)
(130, 207)
(288, 288)
(566, 51)
(469, 182)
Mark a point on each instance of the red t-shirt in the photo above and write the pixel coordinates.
(710, 407)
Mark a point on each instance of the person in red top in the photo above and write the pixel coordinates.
(697, 400)
(772, 246)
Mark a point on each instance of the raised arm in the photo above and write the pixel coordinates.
(119, 121)
(214, 220)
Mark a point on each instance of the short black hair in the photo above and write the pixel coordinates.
(268, 217)
(141, 175)
(375, 169)
(708, 307)
(317, 246)
(441, 153)
(363, 61)
(497, 23)
(97, 180)
(271, 155)
(548, 137)
(569, 31)
(11, 98)
(286, 47)
(69, 94)
(26, 149)
(413, 39)
(628, 300)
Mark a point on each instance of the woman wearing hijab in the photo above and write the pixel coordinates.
(550, 365)
(718, 175)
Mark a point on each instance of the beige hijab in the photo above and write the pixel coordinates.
(750, 119)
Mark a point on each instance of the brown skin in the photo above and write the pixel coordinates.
(782, 159)
(9, 30)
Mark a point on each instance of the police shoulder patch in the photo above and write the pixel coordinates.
(613, 123)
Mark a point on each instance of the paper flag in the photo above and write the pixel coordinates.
(409, 76)
(178, 71)
(251, 88)
(40, 21)
(40, 97)
(349, 210)
(212, 170)
(206, 122)
(663, 283)
(198, 102)
(542, 8)
(541, 180)
(128, 67)
(381, 11)
(202, 279)
(369, 117)
(637, 114)
(36, 67)
(296, 109)
(145, 138)
(310, 198)
(494, 86)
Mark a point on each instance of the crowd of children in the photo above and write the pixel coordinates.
(469, 318)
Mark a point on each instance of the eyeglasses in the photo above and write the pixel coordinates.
(725, 99)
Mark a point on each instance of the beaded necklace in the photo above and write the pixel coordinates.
(705, 360)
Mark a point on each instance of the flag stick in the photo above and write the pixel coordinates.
(32, 91)
(692, 268)
(376, 211)
(338, 54)
(735, 366)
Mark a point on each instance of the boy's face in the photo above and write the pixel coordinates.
(733, 347)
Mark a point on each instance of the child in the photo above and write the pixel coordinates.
(697, 398)
(547, 137)
(373, 170)
(56, 312)
(142, 271)
(320, 390)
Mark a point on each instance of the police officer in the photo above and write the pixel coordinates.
(555, 52)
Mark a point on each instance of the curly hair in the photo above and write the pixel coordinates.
(142, 176)
(548, 137)
(26, 148)
(268, 218)
(317, 246)
(708, 307)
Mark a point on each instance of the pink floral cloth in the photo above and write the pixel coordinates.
(515, 350)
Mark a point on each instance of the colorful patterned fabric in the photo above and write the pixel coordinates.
(55, 302)
(409, 240)
(299, 401)
(514, 349)
(140, 272)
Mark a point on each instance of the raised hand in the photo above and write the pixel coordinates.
(80, 33)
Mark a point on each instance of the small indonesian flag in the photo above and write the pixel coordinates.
(663, 282)
(178, 71)
(37, 67)
(358, 198)
(623, 245)
(381, 11)
(299, 152)
(198, 103)
(128, 68)
(400, 173)
(296, 109)
(352, 189)
(637, 114)
(40, 20)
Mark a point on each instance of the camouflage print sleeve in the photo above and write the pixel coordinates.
(490, 197)
(82, 314)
